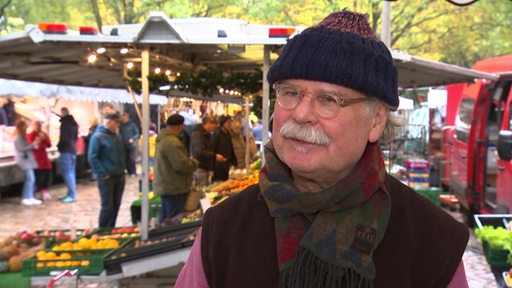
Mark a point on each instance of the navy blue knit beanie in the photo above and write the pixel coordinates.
(342, 50)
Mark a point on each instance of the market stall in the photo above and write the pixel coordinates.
(114, 255)
(93, 256)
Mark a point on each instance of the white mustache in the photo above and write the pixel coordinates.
(304, 133)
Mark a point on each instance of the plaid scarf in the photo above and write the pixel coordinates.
(327, 238)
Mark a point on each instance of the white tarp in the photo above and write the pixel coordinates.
(406, 104)
(36, 89)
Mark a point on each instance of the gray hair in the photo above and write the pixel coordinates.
(393, 122)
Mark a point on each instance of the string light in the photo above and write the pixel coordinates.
(92, 58)
(129, 65)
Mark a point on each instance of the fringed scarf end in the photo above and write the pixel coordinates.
(308, 271)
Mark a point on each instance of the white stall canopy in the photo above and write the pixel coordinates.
(37, 89)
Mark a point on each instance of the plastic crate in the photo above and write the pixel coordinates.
(419, 164)
(91, 264)
(494, 220)
(495, 257)
(430, 193)
(87, 261)
(150, 185)
(122, 234)
(48, 237)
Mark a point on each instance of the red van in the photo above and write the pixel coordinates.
(478, 144)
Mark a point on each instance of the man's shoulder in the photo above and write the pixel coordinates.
(411, 208)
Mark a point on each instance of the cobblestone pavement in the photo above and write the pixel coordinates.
(84, 213)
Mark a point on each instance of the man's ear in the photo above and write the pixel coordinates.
(379, 120)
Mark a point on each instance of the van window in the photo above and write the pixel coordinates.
(510, 117)
(463, 119)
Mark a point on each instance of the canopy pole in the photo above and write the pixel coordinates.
(386, 23)
(135, 104)
(247, 134)
(266, 97)
(145, 146)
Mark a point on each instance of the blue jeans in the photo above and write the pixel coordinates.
(67, 165)
(28, 184)
(111, 194)
(171, 205)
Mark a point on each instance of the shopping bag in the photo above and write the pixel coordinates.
(192, 202)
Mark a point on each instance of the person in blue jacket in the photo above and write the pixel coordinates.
(130, 133)
(107, 160)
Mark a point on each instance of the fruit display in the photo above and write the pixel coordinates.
(256, 165)
(232, 186)
(192, 217)
(85, 243)
(13, 251)
(50, 237)
(495, 237)
(85, 254)
(120, 233)
(25, 244)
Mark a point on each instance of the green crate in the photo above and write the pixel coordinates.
(431, 193)
(87, 261)
(47, 237)
(494, 256)
(92, 264)
(116, 233)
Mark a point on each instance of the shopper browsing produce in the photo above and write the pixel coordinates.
(325, 213)
(173, 168)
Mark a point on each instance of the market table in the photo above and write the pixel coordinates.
(165, 253)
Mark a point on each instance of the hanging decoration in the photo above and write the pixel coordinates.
(205, 82)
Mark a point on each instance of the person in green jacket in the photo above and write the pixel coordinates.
(173, 168)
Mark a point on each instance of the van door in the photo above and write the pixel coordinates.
(459, 153)
(488, 166)
(504, 167)
(463, 143)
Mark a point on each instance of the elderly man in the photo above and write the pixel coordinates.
(325, 213)
(106, 158)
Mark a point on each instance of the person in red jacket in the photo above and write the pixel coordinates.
(44, 165)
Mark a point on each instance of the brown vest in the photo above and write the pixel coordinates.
(422, 247)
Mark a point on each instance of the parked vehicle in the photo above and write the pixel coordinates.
(478, 146)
